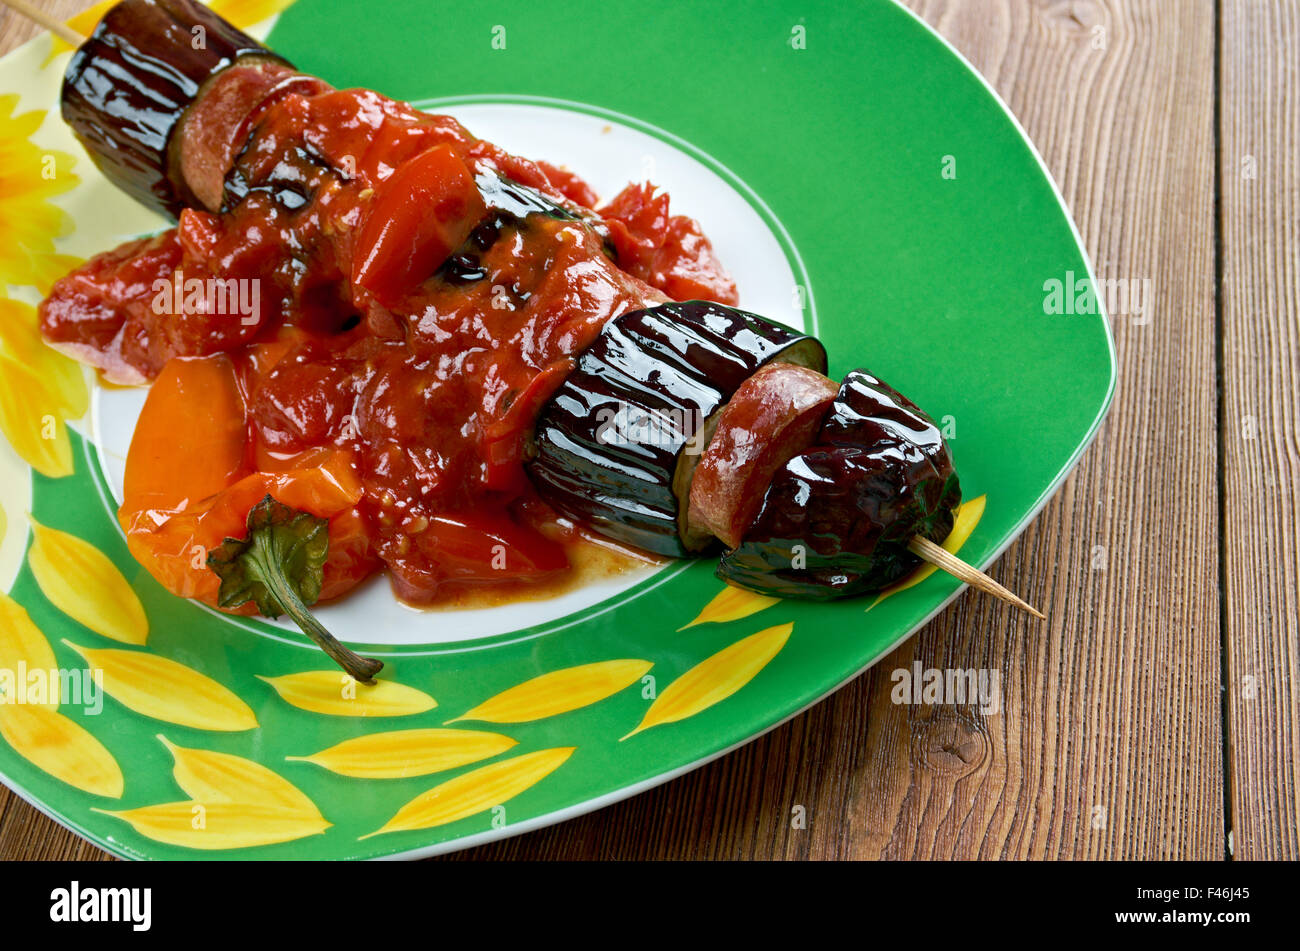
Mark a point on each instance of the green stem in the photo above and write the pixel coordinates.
(362, 669)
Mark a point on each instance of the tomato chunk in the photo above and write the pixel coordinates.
(420, 214)
(772, 417)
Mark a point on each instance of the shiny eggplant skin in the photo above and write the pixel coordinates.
(836, 520)
(867, 411)
(128, 85)
(617, 444)
(879, 474)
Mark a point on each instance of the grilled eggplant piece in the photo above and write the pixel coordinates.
(129, 84)
(867, 411)
(617, 445)
(836, 520)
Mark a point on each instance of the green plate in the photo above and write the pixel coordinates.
(857, 176)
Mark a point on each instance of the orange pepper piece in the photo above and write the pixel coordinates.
(188, 486)
(190, 441)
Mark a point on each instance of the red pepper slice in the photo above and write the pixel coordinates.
(419, 215)
(485, 548)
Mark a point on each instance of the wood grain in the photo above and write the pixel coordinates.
(1260, 121)
(1115, 702)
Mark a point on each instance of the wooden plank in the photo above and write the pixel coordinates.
(1260, 119)
(26, 833)
(1115, 703)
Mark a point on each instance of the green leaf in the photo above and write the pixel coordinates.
(280, 567)
(282, 543)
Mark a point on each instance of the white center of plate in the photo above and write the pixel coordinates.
(608, 154)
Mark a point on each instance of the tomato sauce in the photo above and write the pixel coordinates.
(414, 310)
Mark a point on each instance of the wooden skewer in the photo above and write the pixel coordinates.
(57, 27)
(945, 560)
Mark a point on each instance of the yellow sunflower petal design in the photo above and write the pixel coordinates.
(242, 13)
(223, 825)
(209, 777)
(715, 678)
(84, 584)
(22, 645)
(236, 803)
(731, 604)
(478, 790)
(161, 688)
(61, 747)
(968, 516)
(29, 222)
(402, 753)
(31, 422)
(335, 694)
(61, 379)
(559, 691)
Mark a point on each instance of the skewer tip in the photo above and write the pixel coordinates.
(943, 559)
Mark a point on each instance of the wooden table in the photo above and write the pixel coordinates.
(1157, 714)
